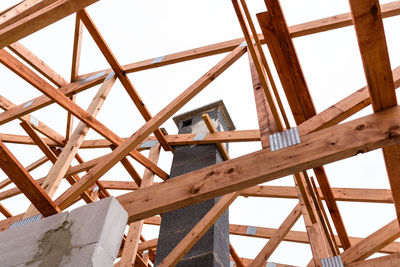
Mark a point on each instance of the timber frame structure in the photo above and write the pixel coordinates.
(323, 139)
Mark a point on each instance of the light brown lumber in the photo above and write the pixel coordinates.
(76, 51)
(277, 237)
(6, 104)
(22, 179)
(5, 211)
(303, 29)
(43, 101)
(122, 150)
(275, 30)
(266, 232)
(264, 114)
(316, 238)
(29, 76)
(36, 63)
(51, 155)
(40, 19)
(340, 194)
(63, 161)
(132, 239)
(322, 147)
(372, 243)
(212, 129)
(235, 256)
(385, 261)
(17, 9)
(371, 39)
(259, 68)
(117, 68)
(28, 168)
(198, 230)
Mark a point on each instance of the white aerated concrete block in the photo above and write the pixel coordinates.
(87, 236)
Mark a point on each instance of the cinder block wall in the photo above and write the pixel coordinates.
(213, 248)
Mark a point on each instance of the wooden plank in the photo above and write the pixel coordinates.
(63, 161)
(43, 101)
(317, 240)
(198, 230)
(22, 179)
(51, 155)
(28, 75)
(6, 104)
(259, 68)
(211, 127)
(303, 29)
(275, 30)
(235, 256)
(76, 51)
(372, 243)
(371, 38)
(117, 68)
(122, 150)
(36, 63)
(318, 148)
(130, 249)
(390, 260)
(40, 19)
(266, 232)
(17, 9)
(278, 236)
(264, 113)
(5, 211)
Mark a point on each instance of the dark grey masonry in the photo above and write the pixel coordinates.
(213, 248)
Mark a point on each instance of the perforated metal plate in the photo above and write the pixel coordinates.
(284, 139)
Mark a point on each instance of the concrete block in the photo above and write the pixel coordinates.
(94, 230)
(103, 222)
(89, 256)
(27, 242)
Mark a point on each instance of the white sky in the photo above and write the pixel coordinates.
(138, 30)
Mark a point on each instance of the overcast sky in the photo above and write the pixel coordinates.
(138, 30)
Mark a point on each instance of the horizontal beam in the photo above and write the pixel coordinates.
(318, 148)
(303, 29)
(31, 23)
(267, 232)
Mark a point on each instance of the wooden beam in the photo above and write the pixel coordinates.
(303, 29)
(122, 150)
(372, 243)
(5, 211)
(198, 230)
(43, 101)
(36, 63)
(6, 104)
(266, 121)
(28, 75)
(278, 236)
(117, 68)
(132, 239)
(266, 232)
(63, 161)
(51, 155)
(211, 128)
(76, 51)
(390, 260)
(22, 179)
(371, 38)
(275, 30)
(40, 19)
(318, 148)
